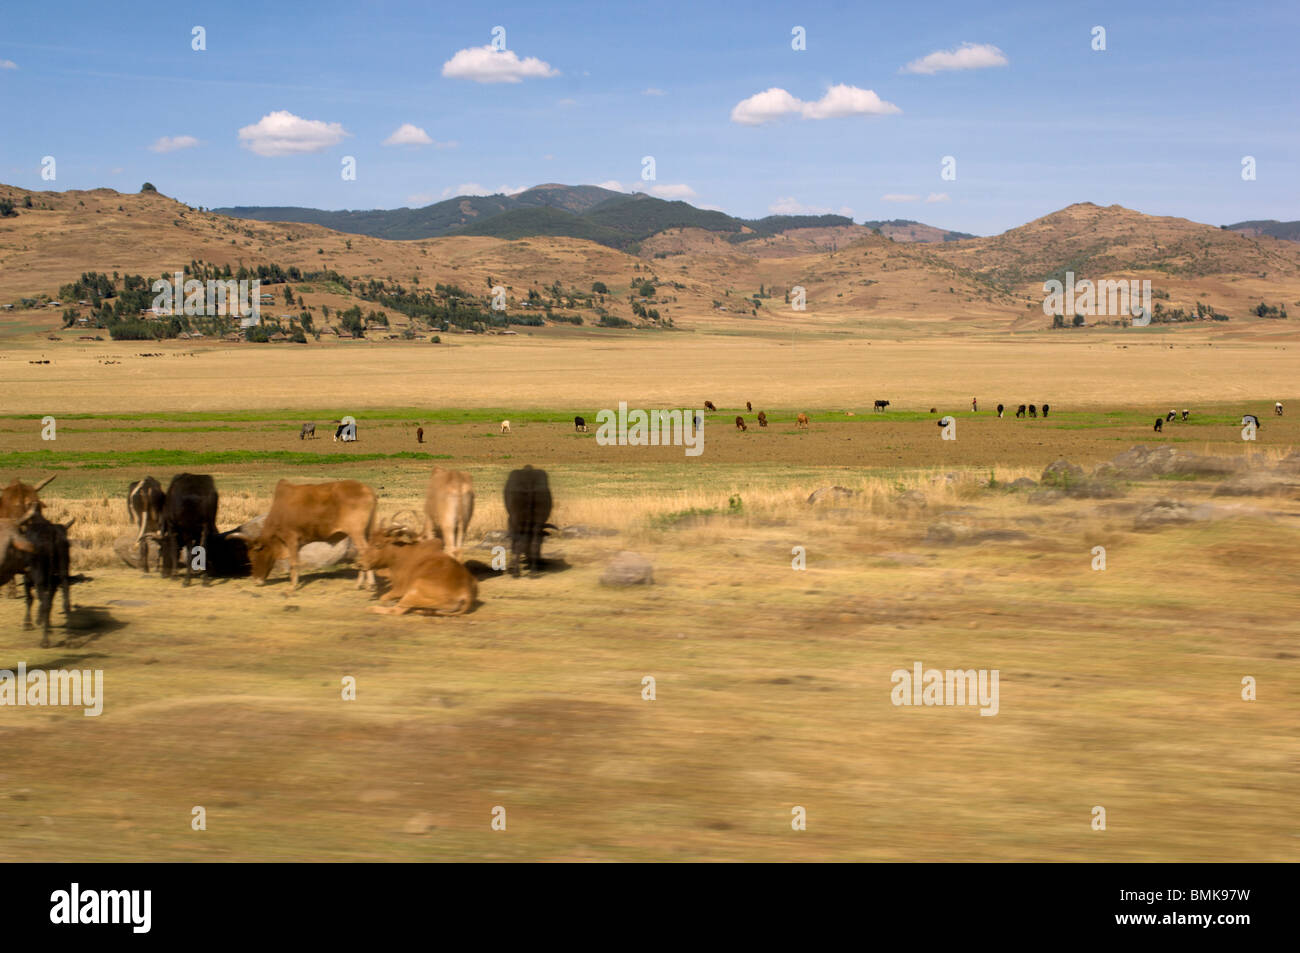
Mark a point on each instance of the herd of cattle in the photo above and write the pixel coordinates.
(423, 567)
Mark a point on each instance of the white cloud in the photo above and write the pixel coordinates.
(473, 188)
(792, 206)
(613, 185)
(966, 56)
(281, 133)
(408, 135)
(420, 199)
(653, 91)
(936, 197)
(8, 64)
(838, 100)
(117, 171)
(672, 191)
(172, 143)
(566, 102)
(482, 64)
(764, 107)
(896, 197)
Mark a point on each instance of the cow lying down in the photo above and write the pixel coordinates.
(421, 575)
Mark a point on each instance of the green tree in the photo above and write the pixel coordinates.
(148, 187)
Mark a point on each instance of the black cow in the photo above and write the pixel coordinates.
(1046, 408)
(1186, 414)
(419, 435)
(579, 425)
(1020, 411)
(528, 505)
(46, 570)
(881, 405)
(1000, 409)
(189, 519)
(144, 505)
(1033, 411)
(342, 432)
(1250, 419)
(308, 430)
(1160, 424)
(1277, 408)
(1171, 415)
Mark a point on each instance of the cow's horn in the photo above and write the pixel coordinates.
(44, 482)
(68, 525)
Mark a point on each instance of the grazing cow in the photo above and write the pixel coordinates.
(881, 405)
(419, 435)
(1160, 424)
(46, 569)
(1046, 408)
(749, 407)
(740, 424)
(1033, 411)
(528, 506)
(708, 405)
(974, 406)
(762, 419)
(1020, 411)
(801, 422)
(1173, 414)
(505, 426)
(1000, 409)
(579, 425)
(1250, 419)
(309, 513)
(144, 506)
(448, 508)
(420, 575)
(308, 430)
(189, 519)
(699, 421)
(1277, 408)
(1186, 414)
(934, 410)
(342, 432)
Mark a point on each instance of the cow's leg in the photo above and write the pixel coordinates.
(207, 578)
(516, 543)
(27, 591)
(390, 610)
(67, 585)
(46, 597)
(293, 565)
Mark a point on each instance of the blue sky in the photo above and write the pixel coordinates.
(1158, 122)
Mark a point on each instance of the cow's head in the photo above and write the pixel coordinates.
(262, 555)
(18, 497)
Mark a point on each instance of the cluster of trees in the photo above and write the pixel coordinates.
(1265, 311)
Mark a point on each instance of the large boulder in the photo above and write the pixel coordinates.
(830, 493)
(128, 550)
(1062, 473)
(628, 569)
(1164, 513)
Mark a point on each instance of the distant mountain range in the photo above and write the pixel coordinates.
(1287, 231)
(610, 218)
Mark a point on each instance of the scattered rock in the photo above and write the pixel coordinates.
(1163, 513)
(1024, 483)
(421, 823)
(1257, 483)
(1062, 473)
(579, 531)
(129, 551)
(830, 493)
(1045, 496)
(912, 498)
(628, 569)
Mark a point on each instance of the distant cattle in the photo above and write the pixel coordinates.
(762, 419)
(308, 513)
(1171, 415)
(749, 407)
(934, 410)
(505, 426)
(144, 506)
(708, 405)
(1277, 408)
(974, 406)
(699, 421)
(1000, 409)
(1160, 424)
(47, 569)
(308, 430)
(1020, 411)
(881, 405)
(345, 432)
(740, 423)
(579, 425)
(448, 508)
(1033, 411)
(421, 577)
(419, 435)
(801, 422)
(1046, 408)
(189, 519)
(528, 509)
(1251, 420)
(1185, 414)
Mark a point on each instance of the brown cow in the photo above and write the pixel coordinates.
(740, 424)
(15, 501)
(762, 419)
(308, 513)
(708, 405)
(448, 508)
(801, 422)
(420, 575)
(749, 407)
